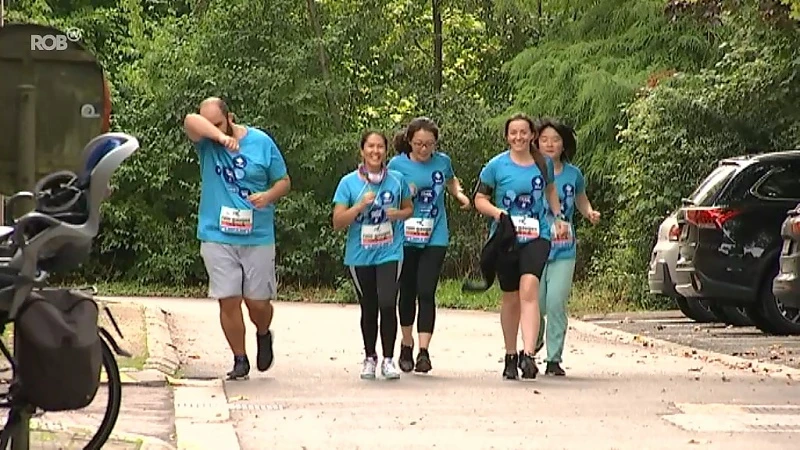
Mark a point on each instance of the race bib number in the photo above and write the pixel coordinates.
(380, 235)
(236, 221)
(527, 228)
(418, 230)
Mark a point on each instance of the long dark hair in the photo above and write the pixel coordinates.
(566, 132)
(402, 140)
(537, 155)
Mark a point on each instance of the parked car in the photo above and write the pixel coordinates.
(730, 237)
(662, 270)
(786, 286)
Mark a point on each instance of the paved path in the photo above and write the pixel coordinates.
(747, 342)
(620, 396)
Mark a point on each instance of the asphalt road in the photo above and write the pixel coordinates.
(672, 326)
(624, 396)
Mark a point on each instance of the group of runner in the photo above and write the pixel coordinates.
(397, 234)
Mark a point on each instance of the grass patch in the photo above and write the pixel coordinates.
(586, 297)
(69, 440)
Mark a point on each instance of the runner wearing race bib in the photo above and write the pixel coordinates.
(557, 141)
(518, 183)
(372, 202)
(429, 173)
(243, 174)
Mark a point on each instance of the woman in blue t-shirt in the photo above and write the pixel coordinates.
(519, 183)
(428, 172)
(557, 141)
(372, 202)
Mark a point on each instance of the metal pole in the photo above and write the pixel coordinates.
(2, 12)
(26, 153)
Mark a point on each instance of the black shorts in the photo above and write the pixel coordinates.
(530, 258)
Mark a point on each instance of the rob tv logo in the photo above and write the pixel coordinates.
(50, 42)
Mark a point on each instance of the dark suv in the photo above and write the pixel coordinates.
(730, 236)
(786, 285)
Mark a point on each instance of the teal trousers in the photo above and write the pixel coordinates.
(554, 289)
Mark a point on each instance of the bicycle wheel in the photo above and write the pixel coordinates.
(114, 401)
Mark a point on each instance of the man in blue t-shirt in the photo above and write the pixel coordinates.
(242, 175)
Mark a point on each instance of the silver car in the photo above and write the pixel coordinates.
(662, 271)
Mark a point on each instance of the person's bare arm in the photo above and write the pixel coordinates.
(405, 211)
(198, 127)
(483, 204)
(273, 194)
(454, 188)
(585, 207)
(552, 199)
(344, 216)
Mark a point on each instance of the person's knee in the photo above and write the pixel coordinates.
(257, 305)
(529, 285)
(230, 305)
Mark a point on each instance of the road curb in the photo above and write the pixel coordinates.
(162, 357)
(771, 370)
(161, 353)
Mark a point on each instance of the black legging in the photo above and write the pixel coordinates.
(420, 275)
(376, 288)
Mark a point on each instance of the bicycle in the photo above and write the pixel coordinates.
(54, 237)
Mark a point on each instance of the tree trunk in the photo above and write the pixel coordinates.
(437, 47)
(333, 106)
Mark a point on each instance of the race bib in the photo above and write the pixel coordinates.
(562, 242)
(236, 221)
(418, 230)
(380, 235)
(527, 228)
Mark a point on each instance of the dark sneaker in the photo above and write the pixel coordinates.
(528, 366)
(241, 368)
(510, 370)
(406, 361)
(265, 356)
(423, 361)
(554, 368)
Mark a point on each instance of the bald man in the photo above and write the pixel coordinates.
(243, 174)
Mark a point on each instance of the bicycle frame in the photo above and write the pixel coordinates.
(17, 427)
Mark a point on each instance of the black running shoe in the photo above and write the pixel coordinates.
(265, 356)
(528, 366)
(406, 361)
(423, 361)
(510, 370)
(241, 368)
(554, 368)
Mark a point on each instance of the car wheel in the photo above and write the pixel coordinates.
(694, 309)
(731, 315)
(780, 320)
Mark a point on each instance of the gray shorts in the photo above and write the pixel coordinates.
(240, 271)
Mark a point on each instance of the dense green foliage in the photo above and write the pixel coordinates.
(656, 89)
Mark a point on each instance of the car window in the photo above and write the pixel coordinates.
(713, 183)
(780, 184)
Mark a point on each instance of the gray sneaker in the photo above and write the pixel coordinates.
(370, 366)
(389, 370)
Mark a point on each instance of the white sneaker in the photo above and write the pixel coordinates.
(370, 366)
(389, 370)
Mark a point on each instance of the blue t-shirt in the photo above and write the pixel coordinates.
(569, 184)
(427, 181)
(519, 190)
(226, 216)
(373, 239)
